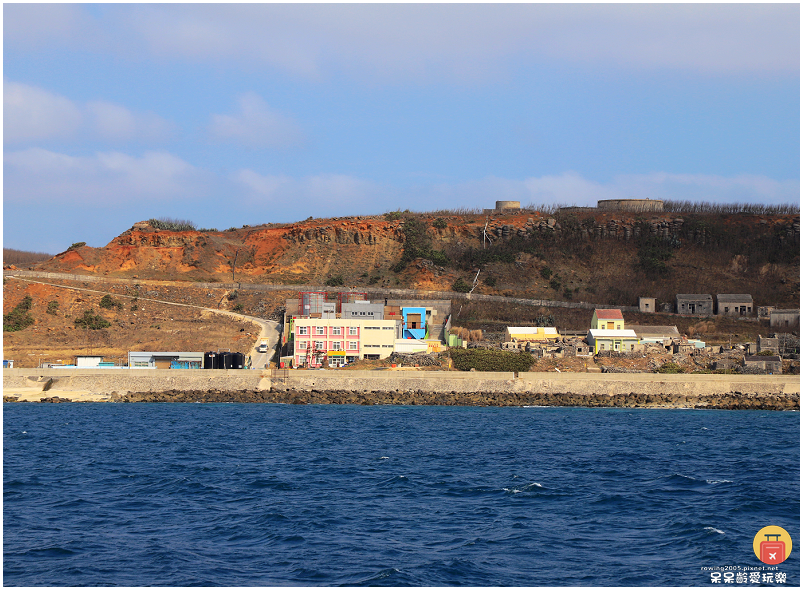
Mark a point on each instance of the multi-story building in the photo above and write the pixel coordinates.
(334, 342)
(607, 319)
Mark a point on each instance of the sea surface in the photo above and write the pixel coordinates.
(274, 495)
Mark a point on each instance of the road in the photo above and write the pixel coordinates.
(269, 328)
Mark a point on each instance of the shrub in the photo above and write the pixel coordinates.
(373, 280)
(669, 367)
(461, 286)
(555, 283)
(335, 281)
(52, 307)
(654, 252)
(238, 307)
(233, 295)
(490, 360)
(91, 321)
(546, 273)
(169, 224)
(76, 245)
(439, 223)
(134, 307)
(393, 215)
(490, 281)
(766, 353)
(418, 245)
(567, 293)
(107, 302)
(19, 318)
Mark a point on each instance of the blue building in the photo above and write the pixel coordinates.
(414, 323)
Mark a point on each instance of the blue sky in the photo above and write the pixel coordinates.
(244, 114)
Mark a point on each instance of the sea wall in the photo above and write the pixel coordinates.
(405, 387)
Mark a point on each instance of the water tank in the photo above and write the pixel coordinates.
(225, 360)
(210, 360)
(237, 360)
(504, 205)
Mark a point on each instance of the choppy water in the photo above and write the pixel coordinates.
(251, 494)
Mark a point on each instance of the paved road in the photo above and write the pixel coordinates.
(269, 328)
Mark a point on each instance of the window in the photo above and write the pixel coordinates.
(352, 345)
(353, 331)
(372, 327)
(388, 328)
(302, 330)
(336, 345)
(336, 330)
(319, 345)
(319, 330)
(302, 345)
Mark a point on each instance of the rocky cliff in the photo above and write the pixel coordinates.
(586, 254)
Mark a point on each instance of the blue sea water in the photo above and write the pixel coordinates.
(262, 494)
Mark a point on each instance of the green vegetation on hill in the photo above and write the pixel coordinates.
(92, 321)
(490, 360)
(19, 318)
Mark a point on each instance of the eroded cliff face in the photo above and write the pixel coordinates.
(363, 249)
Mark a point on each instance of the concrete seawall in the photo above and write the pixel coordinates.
(449, 387)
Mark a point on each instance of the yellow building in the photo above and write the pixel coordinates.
(530, 334)
(607, 319)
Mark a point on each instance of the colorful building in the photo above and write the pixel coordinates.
(607, 319)
(414, 325)
(615, 339)
(530, 334)
(335, 342)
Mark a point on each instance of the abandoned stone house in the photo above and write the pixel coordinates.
(784, 320)
(647, 304)
(767, 345)
(694, 304)
(725, 364)
(734, 304)
(772, 365)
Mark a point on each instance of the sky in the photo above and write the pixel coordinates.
(234, 114)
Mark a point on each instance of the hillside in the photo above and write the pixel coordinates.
(582, 255)
(579, 254)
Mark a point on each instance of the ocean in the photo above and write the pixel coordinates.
(313, 495)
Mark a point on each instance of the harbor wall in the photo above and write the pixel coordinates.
(467, 388)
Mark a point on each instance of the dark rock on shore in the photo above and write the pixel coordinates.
(729, 401)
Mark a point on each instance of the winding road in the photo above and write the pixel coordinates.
(269, 329)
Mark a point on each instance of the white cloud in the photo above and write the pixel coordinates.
(31, 114)
(34, 114)
(256, 125)
(318, 195)
(437, 41)
(114, 122)
(108, 178)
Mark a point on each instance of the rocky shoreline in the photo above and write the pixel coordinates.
(730, 401)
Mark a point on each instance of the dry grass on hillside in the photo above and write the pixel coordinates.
(139, 325)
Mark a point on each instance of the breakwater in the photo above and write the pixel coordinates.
(405, 388)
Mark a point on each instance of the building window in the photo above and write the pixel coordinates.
(352, 345)
(353, 331)
(302, 330)
(388, 328)
(336, 345)
(319, 345)
(336, 330)
(319, 330)
(301, 345)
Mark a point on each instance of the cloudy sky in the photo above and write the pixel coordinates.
(243, 114)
